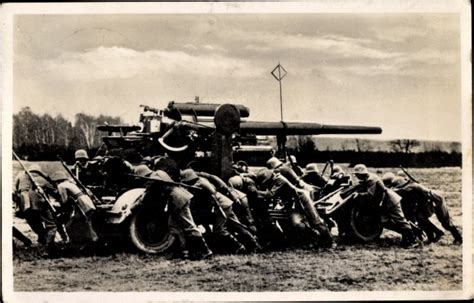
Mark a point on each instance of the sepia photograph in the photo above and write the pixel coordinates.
(236, 151)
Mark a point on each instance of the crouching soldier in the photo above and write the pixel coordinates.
(312, 176)
(240, 203)
(373, 192)
(422, 203)
(79, 226)
(180, 220)
(33, 208)
(276, 186)
(225, 221)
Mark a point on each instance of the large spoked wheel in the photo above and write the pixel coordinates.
(149, 230)
(365, 223)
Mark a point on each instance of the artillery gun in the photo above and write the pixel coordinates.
(204, 136)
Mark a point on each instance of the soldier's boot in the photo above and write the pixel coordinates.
(251, 243)
(198, 248)
(326, 239)
(233, 245)
(179, 249)
(34, 221)
(20, 236)
(433, 233)
(456, 235)
(409, 240)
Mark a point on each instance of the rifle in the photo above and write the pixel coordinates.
(39, 190)
(293, 164)
(331, 164)
(79, 183)
(408, 174)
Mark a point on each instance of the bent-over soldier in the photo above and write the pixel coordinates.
(79, 226)
(180, 220)
(34, 209)
(225, 221)
(374, 192)
(422, 202)
(276, 186)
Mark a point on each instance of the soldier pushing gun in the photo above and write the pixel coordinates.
(37, 208)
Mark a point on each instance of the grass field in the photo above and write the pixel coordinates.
(377, 266)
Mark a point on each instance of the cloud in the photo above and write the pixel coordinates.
(123, 63)
(399, 34)
(334, 44)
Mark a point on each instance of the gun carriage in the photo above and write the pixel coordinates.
(206, 137)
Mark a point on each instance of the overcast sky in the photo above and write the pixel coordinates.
(397, 71)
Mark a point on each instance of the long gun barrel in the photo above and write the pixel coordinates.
(79, 183)
(303, 128)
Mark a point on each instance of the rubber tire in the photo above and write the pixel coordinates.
(137, 238)
(354, 226)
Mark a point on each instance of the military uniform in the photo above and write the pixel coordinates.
(240, 202)
(223, 220)
(180, 220)
(79, 226)
(277, 186)
(314, 178)
(420, 203)
(34, 209)
(387, 201)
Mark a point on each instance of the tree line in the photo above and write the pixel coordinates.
(40, 137)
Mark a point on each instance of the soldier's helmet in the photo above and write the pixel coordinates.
(161, 176)
(236, 182)
(337, 169)
(388, 178)
(59, 176)
(311, 168)
(264, 175)
(189, 175)
(142, 170)
(273, 162)
(398, 182)
(361, 169)
(81, 154)
(35, 168)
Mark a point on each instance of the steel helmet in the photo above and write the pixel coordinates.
(273, 162)
(361, 169)
(236, 182)
(264, 175)
(189, 175)
(59, 176)
(388, 178)
(398, 182)
(311, 168)
(142, 170)
(337, 169)
(161, 176)
(35, 168)
(81, 154)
